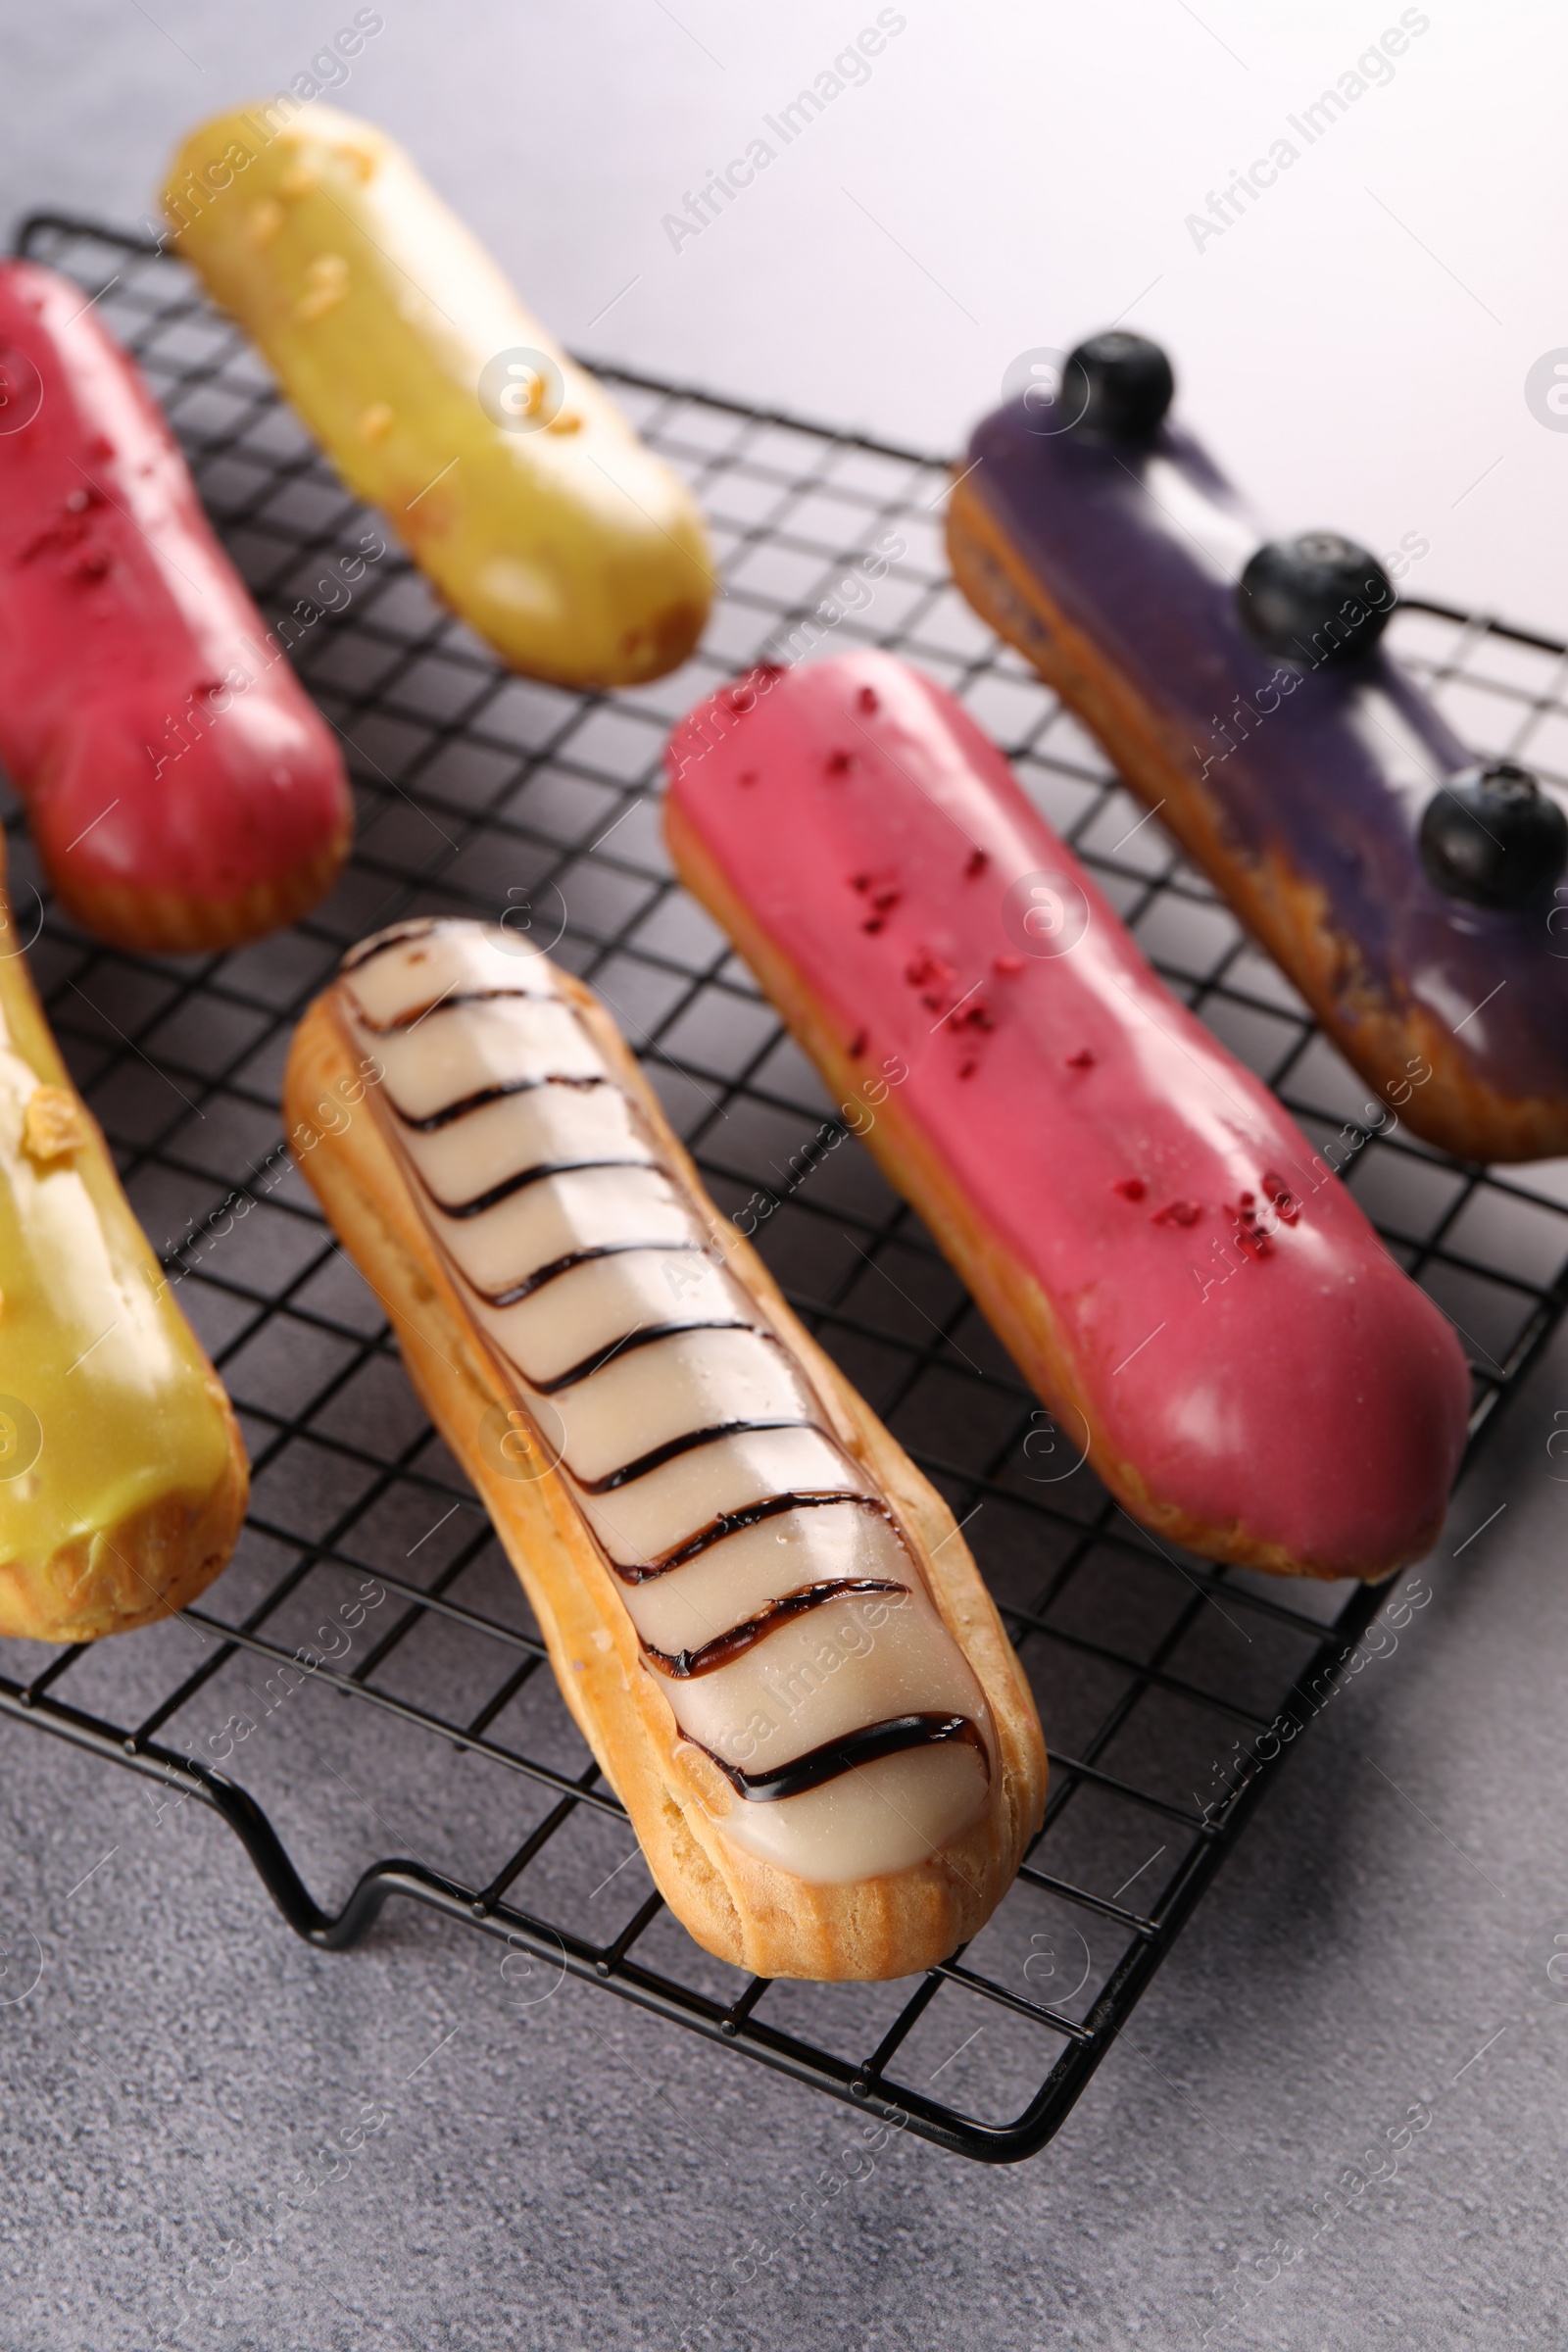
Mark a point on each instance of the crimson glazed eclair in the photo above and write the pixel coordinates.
(1413, 892)
(1182, 1282)
(760, 1615)
(183, 789)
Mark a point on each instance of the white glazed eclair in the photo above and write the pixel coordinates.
(760, 1615)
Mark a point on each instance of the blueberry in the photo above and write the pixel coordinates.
(1317, 598)
(1124, 383)
(1491, 835)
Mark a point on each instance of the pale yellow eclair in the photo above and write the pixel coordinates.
(511, 477)
(123, 1478)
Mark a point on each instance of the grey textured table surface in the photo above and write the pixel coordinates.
(567, 2172)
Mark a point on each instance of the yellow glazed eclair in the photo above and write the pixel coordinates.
(122, 1478)
(762, 1618)
(511, 478)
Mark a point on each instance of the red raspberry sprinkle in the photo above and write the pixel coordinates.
(925, 970)
(742, 694)
(1083, 1059)
(1131, 1188)
(867, 698)
(1177, 1212)
(977, 863)
(1007, 965)
(1286, 1205)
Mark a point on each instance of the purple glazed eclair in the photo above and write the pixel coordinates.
(1407, 889)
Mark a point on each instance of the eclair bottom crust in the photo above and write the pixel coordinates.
(169, 922)
(1383, 1038)
(738, 1906)
(145, 1566)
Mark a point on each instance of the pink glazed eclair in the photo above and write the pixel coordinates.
(184, 791)
(1185, 1283)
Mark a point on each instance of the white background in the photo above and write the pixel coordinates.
(1010, 176)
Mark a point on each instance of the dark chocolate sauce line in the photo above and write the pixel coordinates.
(558, 1266)
(640, 1337)
(837, 1756)
(673, 1448)
(453, 1001)
(466, 1105)
(368, 951)
(681, 1664)
(537, 1174)
(642, 1334)
(735, 1523)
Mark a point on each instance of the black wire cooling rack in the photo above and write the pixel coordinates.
(1170, 1690)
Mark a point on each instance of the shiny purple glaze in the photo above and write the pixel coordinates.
(1139, 545)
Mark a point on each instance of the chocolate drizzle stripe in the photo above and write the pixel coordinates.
(673, 1448)
(467, 1105)
(537, 1174)
(558, 1266)
(453, 1001)
(735, 1523)
(635, 1339)
(368, 949)
(684, 1663)
(837, 1756)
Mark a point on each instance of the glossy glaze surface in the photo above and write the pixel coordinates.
(1139, 545)
(552, 531)
(110, 1411)
(162, 741)
(769, 1583)
(1237, 1330)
